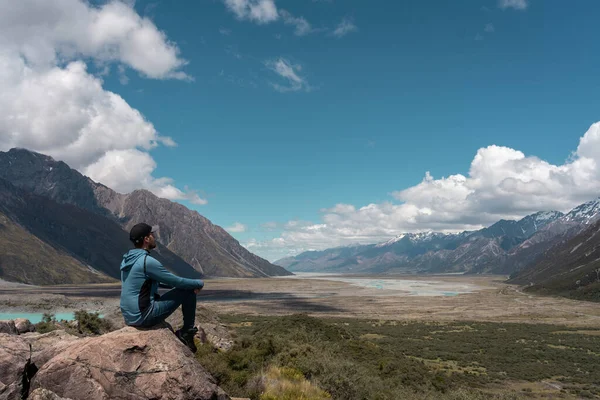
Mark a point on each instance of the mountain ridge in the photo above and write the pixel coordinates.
(209, 249)
(503, 247)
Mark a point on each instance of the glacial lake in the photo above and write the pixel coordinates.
(409, 287)
(34, 318)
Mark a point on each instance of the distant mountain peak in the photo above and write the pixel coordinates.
(414, 237)
(585, 213)
(546, 215)
(392, 240)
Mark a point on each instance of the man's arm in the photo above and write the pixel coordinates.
(156, 271)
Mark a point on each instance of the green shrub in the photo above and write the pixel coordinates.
(91, 323)
(47, 324)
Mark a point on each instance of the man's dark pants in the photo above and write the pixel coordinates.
(168, 303)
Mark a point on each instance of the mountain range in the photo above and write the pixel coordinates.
(527, 249)
(59, 226)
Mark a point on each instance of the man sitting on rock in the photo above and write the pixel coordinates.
(141, 275)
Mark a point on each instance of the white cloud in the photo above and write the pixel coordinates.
(259, 11)
(127, 170)
(344, 28)
(516, 4)
(237, 227)
(501, 183)
(50, 103)
(302, 26)
(479, 37)
(289, 73)
(48, 32)
(225, 31)
(489, 28)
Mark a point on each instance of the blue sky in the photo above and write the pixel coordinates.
(307, 137)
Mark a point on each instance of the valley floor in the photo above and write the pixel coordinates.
(494, 301)
(563, 332)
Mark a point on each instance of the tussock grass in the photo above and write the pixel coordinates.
(283, 383)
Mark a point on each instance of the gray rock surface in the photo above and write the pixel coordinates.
(127, 364)
(14, 354)
(215, 334)
(8, 326)
(43, 394)
(23, 325)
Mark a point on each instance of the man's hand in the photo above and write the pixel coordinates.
(196, 291)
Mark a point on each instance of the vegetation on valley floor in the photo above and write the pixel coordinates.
(371, 359)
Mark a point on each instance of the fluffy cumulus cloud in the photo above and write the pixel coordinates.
(259, 11)
(501, 183)
(289, 74)
(51, 103)
(516, 4)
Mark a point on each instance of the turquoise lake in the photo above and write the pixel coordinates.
(34, 318)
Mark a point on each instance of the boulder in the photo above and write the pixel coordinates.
(23, 325)
(217, 334)
(14, 355)
(46, 346)
(8, 326)
(128, 364)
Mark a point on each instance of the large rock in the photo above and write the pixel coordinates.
(8, 326)
(23, 325)
(128, 364)
(46, 346)
(15, 353)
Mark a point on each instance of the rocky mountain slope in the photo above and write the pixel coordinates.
(570, 268)
(44, 242)
(201, 244)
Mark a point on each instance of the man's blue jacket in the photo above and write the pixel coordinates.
(140, 284)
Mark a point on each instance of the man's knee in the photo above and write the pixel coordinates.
(186, 292)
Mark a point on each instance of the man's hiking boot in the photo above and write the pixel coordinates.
(187, 338)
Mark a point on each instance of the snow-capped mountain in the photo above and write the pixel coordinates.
(416, 238)
(585, 213)
(503, 247)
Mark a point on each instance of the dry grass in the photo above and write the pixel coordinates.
(283, 383)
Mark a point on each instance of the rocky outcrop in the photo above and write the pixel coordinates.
(16, 326)
(215, 334)
(8, 327)
(23, 326)
(128, 364)
(14, 357)
(21, 355)
(124, 364)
